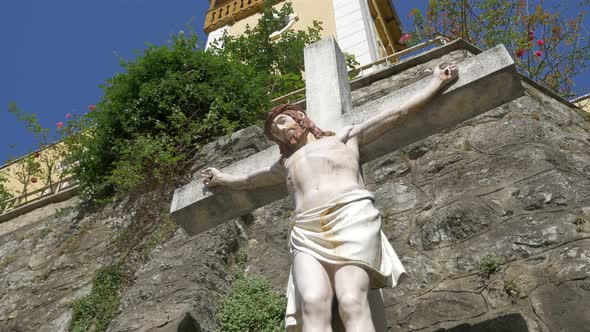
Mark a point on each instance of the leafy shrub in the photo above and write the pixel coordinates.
(511, 289)
(489, 265)
(170, 100)
(4, 193)
(549, 40)
(155, 114)
(252, 306)
(282, 58)
(95, 310)
(580, 221)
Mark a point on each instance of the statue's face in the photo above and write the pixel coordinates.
(287, 130)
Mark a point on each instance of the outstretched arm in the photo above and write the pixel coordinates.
(260, 178)
(377, 125)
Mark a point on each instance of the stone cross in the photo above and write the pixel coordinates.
(486, 80)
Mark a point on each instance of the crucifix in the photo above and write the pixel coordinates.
(338, 249)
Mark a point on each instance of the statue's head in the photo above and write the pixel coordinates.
(288, 126)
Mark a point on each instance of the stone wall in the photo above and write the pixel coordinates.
(49, 264)
(49, 257)
(179, 288)
(508, 188)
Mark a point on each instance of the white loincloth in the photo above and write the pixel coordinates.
(346, 230)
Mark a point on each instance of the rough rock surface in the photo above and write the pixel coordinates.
(180, 286)
(513, 182)
(50, 262)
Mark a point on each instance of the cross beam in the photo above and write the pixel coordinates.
(486, 81)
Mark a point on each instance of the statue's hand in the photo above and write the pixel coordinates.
(446, 72)
(212, 177)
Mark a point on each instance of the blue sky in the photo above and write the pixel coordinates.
(55, 54)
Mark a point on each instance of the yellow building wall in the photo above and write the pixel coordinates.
(10, 170)
(584, 103)
(347, 21)
(306, 10)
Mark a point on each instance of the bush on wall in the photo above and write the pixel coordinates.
(153, 116)
(252, 306)
(173, 98)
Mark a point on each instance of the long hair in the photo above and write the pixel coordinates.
(302, 120)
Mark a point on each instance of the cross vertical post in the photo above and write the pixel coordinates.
(487, 80)
(327, 91)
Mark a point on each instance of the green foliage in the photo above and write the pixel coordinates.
(4, 193)
(43, 233)
(31, 122)
(46, 162)
(241, 259)
(252, 306)
(489, 265)
(580, 221)
(94, 311)
(154, 115)
(172, 99)
(511, 289)
(281, 59)
(62, 212)
(6, 260)
(548, 47)
(351, 64)
(26, 172)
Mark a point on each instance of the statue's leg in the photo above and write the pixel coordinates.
(351, 284)
(315, 292)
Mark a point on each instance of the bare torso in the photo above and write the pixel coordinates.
(319, 171)
(322, 170)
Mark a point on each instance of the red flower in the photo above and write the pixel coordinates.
(91, 107)
(68, 115)
(538, 54)
(519, 53)
(531, 37)
(404, 38)
(33, 180)
(540, 42)
(37, 155)
(455, 32)
(60, 125)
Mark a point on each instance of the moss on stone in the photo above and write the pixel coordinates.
(489, 265)
(94, 311)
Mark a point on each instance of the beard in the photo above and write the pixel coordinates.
(296, 135)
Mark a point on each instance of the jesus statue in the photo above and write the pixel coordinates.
(336, 243)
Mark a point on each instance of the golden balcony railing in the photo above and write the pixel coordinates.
(34, 198)
(227, 12)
